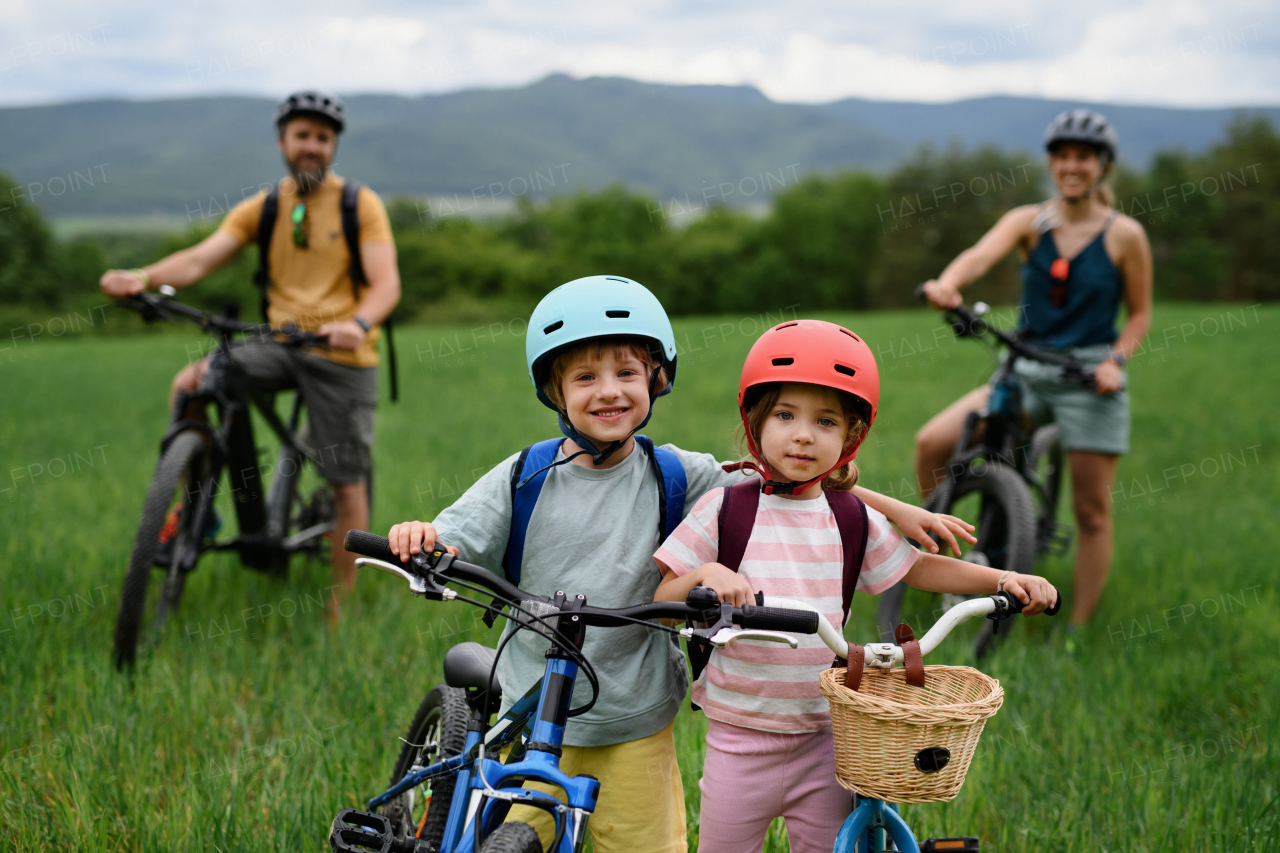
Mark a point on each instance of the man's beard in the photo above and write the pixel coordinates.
(307, 178)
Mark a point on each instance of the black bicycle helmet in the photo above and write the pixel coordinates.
(313, 103)
(1083, 126)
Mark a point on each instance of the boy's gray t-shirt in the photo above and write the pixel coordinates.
(592, 533)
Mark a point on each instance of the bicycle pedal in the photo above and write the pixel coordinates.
(967, 844)
(355, 831)
(1060, 539)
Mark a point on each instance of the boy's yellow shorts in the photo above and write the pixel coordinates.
(641, 805)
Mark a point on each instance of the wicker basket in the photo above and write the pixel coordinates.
(884, 730)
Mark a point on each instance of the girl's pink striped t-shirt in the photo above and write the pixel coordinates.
(794, 552)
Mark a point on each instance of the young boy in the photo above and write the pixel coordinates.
(600, 350)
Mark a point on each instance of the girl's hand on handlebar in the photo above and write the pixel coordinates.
(1108, 377)
(731, 587)
(1036, 594)
(917, 523)
(412, 537)
(942, 296)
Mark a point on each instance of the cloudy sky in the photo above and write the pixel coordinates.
(1166, 52)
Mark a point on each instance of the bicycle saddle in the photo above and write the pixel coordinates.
(468, 665)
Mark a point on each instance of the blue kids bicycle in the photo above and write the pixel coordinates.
(450, 792)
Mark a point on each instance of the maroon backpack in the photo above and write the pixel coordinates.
(735, 521)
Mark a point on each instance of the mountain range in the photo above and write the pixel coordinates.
(191, 158)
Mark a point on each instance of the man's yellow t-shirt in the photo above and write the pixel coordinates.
(312, 286)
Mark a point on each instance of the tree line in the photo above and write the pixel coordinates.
(846, 241)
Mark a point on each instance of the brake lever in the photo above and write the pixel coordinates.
(725, 636)
(418, 584)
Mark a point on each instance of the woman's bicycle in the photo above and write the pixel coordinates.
(179, 522)
(450, 790)
(1007, 481)
(884, 751)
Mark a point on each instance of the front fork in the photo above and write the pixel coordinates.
(867, 825)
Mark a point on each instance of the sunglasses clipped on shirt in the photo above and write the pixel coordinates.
(299, 218)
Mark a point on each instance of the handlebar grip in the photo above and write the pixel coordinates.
(370, 545)
(919, 293)
(1013, 605)
(779, 619)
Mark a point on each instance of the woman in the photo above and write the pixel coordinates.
(1081, 260)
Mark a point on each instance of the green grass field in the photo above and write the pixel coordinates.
(251, 724)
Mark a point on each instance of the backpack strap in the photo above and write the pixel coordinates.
(524, 499)
(673, 484)
(851, 521)
(351, 232)
(735, 520)
(266, 227)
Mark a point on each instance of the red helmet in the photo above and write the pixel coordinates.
(812, 352)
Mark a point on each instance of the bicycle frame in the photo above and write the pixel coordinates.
(493, 787)
(262, 518)
(1005, 438)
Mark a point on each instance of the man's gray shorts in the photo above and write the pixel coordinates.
(339, 398)
(1087, 420)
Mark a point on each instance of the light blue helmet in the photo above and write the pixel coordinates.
(595, 307)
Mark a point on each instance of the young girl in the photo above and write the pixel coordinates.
(808, 395)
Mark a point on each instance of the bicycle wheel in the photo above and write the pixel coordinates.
(438, 731)
(165, 538)
(1045, 460)
(512, 837)
(998, 502)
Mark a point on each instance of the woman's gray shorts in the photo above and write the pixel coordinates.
(1086, 419)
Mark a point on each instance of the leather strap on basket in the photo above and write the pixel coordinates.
(857, 659)
(911, 657)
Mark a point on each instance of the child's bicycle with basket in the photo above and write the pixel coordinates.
(897, 741)
(450, 792)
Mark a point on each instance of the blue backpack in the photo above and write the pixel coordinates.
(672, 486)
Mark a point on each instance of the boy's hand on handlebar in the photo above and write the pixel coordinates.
(412, 537)
(731, 587)
(917, 523)
(942, 296)
(1036, 594)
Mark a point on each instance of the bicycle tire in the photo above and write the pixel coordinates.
(514, 837)
(181, 463)
(441, 719)
(1012, 526)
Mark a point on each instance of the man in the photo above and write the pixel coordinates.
(309, 284)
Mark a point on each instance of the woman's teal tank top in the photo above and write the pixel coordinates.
(1078, 310)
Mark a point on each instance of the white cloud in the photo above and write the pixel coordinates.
(1183, 52)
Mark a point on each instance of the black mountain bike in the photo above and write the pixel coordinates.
(179, 522)
(1007, 481)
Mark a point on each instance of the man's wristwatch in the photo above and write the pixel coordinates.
(1119, 358)
(364, 324)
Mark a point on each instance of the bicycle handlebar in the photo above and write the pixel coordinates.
(1002, 605)
(154, 307)
(423, 576)
(968, 324)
